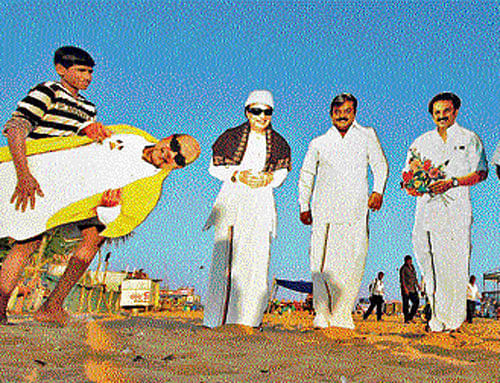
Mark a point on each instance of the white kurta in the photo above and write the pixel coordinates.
(496, 156)
(244, 220)
(441, 234)
(68, 176)
(333, 185)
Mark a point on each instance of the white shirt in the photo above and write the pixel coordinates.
(334, 174)
(460, 155)
(496, 156)
(473, 292)
(238, 203)
(377, 287)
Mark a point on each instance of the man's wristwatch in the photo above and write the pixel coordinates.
(454, 182)
(233, 177)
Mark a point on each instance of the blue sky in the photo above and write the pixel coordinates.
(188, 66)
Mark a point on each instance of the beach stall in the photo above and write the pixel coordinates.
(302, 287)
(492, 278)
(140, 293)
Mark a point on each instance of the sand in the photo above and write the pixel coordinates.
(174, 347)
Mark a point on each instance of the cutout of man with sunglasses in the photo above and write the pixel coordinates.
(251, 160)
(119, 181)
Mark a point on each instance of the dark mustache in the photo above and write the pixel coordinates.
(443, 119)
(342, 119)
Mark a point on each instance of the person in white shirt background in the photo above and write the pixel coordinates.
(376, 296)
(473, 295)
(251, 160)
(334, 198)
(443, 217)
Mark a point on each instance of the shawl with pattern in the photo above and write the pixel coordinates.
(230, 147)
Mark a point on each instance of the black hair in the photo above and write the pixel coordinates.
(68, 56)
(341, 98)
(407, 258)
(445, 96)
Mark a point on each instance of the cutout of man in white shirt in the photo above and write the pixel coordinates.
(333, 197)
(443, 216)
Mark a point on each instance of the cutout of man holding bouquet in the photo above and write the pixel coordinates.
(440, 168)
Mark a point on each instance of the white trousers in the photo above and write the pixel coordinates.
(443, 255)
(238, 290)
(338, 254)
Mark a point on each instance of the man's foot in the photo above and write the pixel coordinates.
(56, 315)
(337, 333)
(248, 330)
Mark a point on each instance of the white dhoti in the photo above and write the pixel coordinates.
(441, 243)
(238, 291)
(338, 253)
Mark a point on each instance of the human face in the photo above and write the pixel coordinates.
(444, 114)
(343, 116)
(76, 77)
(174, 152)
(167, 152)
(258, 122)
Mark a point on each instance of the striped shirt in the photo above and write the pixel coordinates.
(53, 111)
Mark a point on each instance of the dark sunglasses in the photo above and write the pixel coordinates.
(258, 111)
(176, 148)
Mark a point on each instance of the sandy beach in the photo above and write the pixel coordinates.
(174, 347)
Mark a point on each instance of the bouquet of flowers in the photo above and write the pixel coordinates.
(422, 173)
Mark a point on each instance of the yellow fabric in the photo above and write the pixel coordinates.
(138, 198)
(54, 144)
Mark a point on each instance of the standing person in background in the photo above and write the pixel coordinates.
(473, 295)
(376, 297)
(443, 214)
(52, 109)
(251, 160)
(409, 289)
(334, 198)
(496, 160)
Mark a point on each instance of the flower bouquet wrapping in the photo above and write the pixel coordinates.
(422, 173)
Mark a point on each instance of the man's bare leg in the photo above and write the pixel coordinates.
(12, 267)
(52, 311)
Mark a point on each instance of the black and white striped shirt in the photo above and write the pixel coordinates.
(53, 111)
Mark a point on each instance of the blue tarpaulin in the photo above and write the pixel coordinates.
(299, 286)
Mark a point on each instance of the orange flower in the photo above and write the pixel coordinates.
(415, 164)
